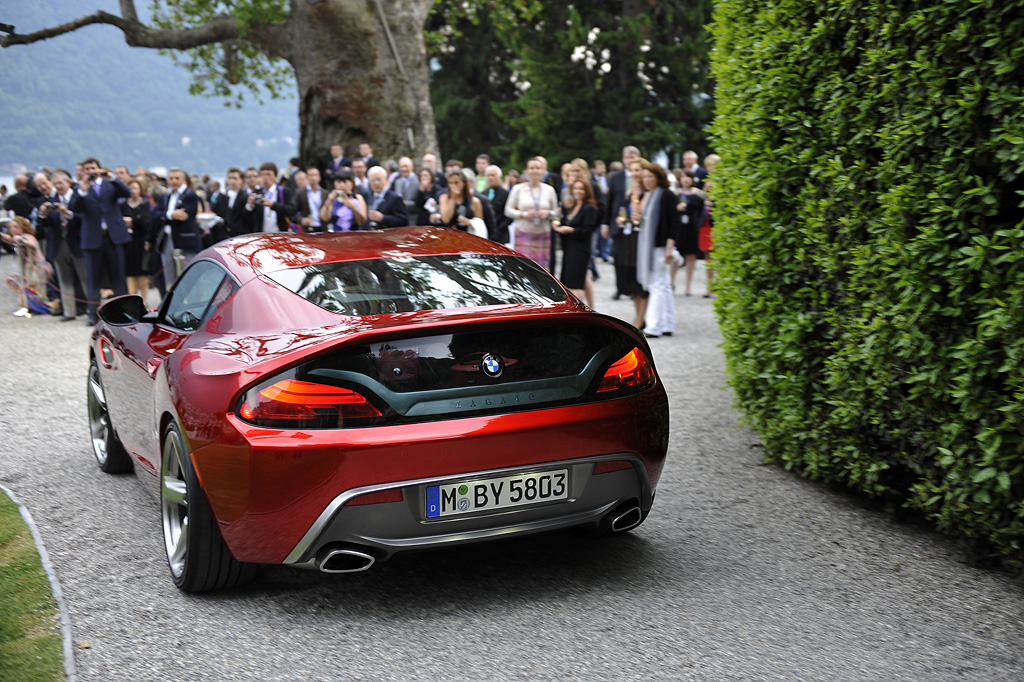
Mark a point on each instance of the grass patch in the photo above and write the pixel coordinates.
(30, 638)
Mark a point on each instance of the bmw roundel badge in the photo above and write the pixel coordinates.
(492, 365)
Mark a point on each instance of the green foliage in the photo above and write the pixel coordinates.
(227, 71)
(473, 75)
(586, 79)
(30, 643)
(871, 239)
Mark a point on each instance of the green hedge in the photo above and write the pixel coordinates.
(870, 233)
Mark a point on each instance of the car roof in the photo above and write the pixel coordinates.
(251, 255)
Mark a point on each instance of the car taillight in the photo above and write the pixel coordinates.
(631, 371)
(293, 404)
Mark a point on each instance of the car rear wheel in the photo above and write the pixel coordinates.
(196, 554)
(110, 454)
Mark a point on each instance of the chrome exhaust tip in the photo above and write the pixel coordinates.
(627, 519)
(344, 560)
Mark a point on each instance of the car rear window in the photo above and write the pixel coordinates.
(410, 283)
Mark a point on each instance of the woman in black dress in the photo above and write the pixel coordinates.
(691, 208)
(135, 210)
(577, 230)
(458, 206)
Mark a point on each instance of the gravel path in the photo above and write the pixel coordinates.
(741, 572)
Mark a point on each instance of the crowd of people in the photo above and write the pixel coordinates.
(97, 232)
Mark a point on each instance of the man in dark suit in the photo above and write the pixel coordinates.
(309, 200)
(20, 203)
(619, 187)
(103, 231)
(270, 205)
(387, 209)
(496, 196)
(366, 154)
(337, 162)
(230, 206)
(64, 245)
(175, 217)
(406, 185)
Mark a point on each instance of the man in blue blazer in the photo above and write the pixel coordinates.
(175, 218)
(103, 231)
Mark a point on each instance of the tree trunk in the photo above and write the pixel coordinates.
(352, 88)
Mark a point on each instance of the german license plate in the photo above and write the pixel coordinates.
(496, 493)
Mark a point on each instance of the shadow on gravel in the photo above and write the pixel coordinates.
(555, 567)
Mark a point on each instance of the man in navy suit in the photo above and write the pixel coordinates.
(387, 209)
(103, 231)
(270, 204)
(337, 162)
(175, 217)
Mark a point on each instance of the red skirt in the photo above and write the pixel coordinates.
(704, 240)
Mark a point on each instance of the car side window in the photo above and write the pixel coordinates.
(195, 295)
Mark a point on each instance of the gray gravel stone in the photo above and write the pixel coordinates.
(741, 572)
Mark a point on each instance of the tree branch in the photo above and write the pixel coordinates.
(269, 38)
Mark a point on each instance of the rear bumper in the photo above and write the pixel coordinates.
(279, 495)
(388, 528)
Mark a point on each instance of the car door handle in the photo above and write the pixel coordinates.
(153, 365)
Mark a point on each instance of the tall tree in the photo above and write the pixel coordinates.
(472, 76)
(596, 76)
(360, 65)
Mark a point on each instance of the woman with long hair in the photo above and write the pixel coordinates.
(427, 208)
(659, 233)
(344, 209)
(135, 210)
(532, 205)
(459, 206)
(33, 270)
(577, 230)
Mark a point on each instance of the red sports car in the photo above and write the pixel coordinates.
(328, 400)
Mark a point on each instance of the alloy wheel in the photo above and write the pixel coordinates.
(174, 502)
(99, 418)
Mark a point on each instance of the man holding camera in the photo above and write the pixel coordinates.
(103, 231)
(270, 204)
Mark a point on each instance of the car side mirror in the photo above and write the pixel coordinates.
(122, 311)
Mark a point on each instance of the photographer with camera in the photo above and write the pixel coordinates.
(270, 204)
(103, 231)
(344, 209)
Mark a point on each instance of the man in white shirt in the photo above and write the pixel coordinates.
(270, 204)
(309, 201)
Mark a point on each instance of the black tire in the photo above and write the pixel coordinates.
(196, 554)
(110, 454)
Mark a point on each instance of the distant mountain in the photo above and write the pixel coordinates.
(87, 93)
